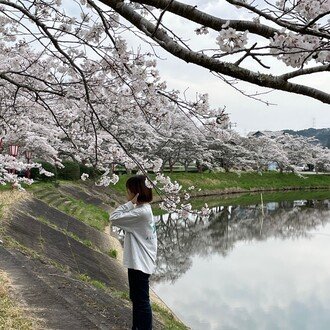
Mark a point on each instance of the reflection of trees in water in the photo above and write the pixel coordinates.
(176, 239)
(179, 240)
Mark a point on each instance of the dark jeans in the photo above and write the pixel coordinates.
(139, 295)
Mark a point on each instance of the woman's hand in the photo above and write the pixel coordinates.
(134, 199)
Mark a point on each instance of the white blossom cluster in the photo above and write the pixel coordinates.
(307, 9)
(229, 40)
(295, 50)
(172, 198)
(84, 176)
(10, 168)
(107, 179)
(302, 33)
(157, 164)
(116, 124)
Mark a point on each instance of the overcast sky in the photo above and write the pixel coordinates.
(291, 111)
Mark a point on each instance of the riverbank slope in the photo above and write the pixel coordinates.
(63, 269)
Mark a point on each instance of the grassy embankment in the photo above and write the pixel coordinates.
(90, 214)
(169, 321)
(11, 315)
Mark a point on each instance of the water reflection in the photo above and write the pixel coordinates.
(181, 239)
(262, 266)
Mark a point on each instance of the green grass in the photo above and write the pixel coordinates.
(216, 182)
(38, 185)
(5, 188)
(100, 285)
(120, 294)
(113, 253)
(90, 214)
(86, 242)
(255, 198)
(169, 320)
(97, 284)
(120, 186)
(46, 222)
(246, 181)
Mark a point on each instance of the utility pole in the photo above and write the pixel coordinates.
(230, 125)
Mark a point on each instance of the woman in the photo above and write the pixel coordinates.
(140, 247)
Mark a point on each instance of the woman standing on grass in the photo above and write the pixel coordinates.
(140, 247)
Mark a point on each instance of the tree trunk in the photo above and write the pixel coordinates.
(170, 165)
(186, 164)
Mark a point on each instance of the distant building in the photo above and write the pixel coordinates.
(270, 134)
(272, 206)
(272, 166)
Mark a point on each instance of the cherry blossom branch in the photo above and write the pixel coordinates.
(264, 80)
(193, 14)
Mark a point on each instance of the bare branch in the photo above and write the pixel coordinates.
(300, 72)
(161, 16)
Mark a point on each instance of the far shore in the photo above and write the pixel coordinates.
(231, 188)
(228, 183)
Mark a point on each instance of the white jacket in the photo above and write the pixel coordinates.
(140, 243)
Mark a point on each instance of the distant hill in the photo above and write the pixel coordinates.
(322, 134)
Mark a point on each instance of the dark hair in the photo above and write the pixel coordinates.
(137, 184)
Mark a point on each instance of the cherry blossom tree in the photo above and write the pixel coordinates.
(228, 151)
(72, 87)
(183, 140)
(265, 150)
(73, 75)
(303, 150)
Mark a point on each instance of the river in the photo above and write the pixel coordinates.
(259, 266)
